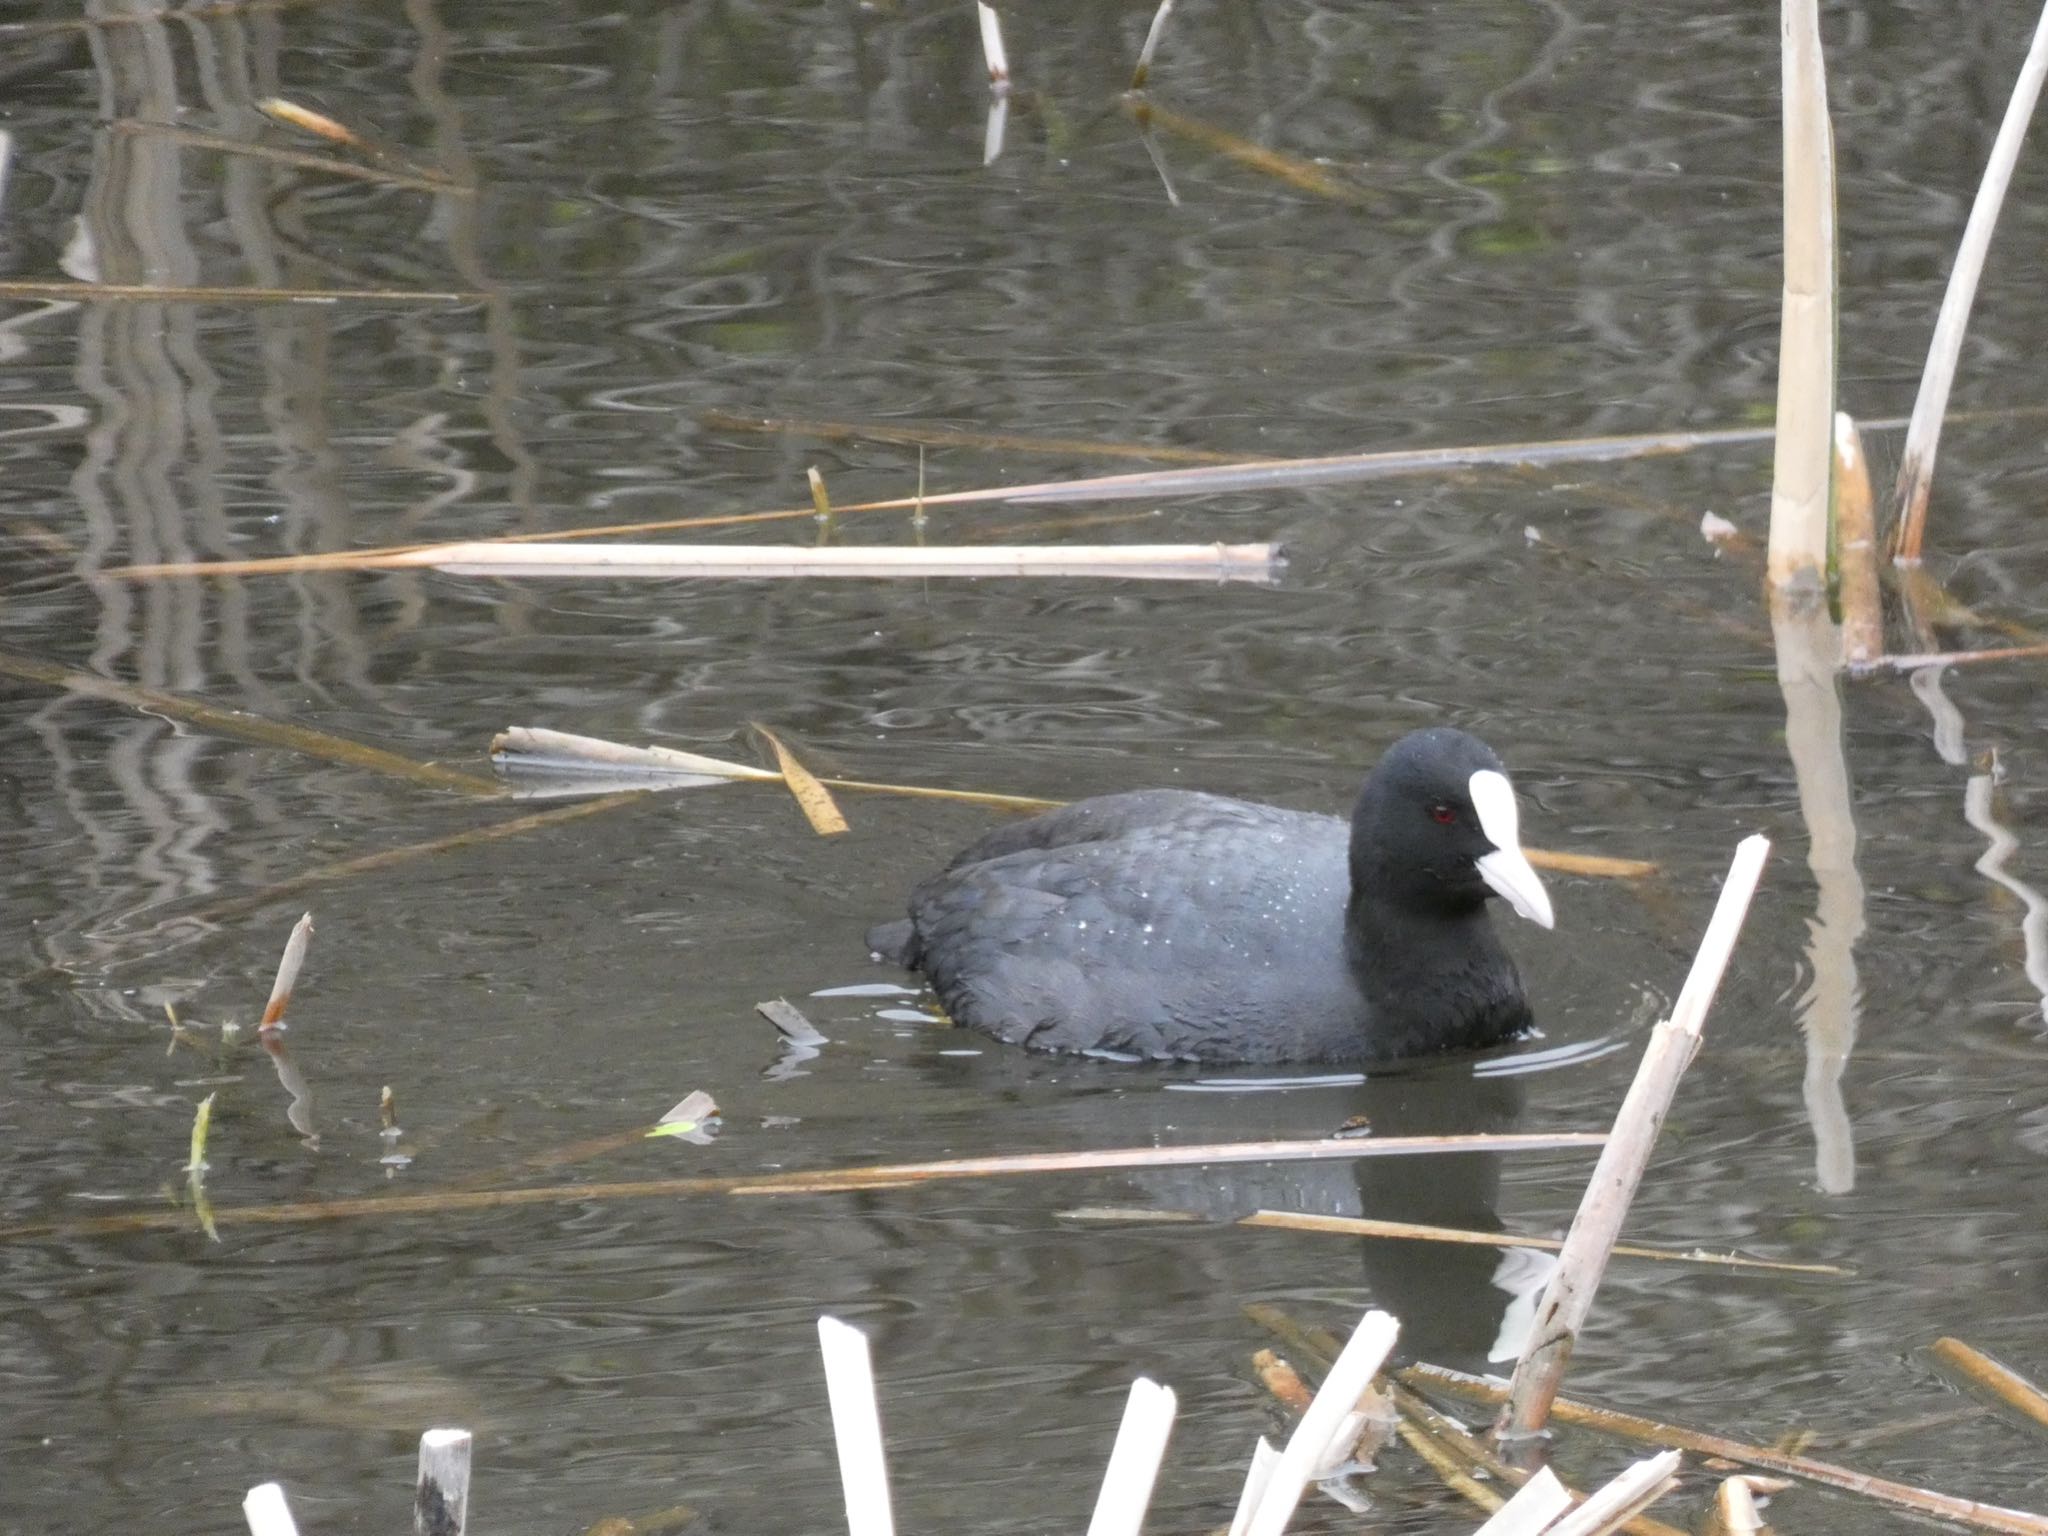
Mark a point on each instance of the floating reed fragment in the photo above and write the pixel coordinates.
(1467, 1465)
(1979, 1372)
(318, 124)
(1282, 1380)
(1291, 170)
(152, 293)
(831, 1180)
(1923, 434)
(324, 165)
(811, 796)
(1239, 475)
(1362, 1226)
(1673, 1043)
(918, 435)
(532, 750)
(1258, 563)
(1919, 1501)
(248, 727)
(576, 762)
(391, 858)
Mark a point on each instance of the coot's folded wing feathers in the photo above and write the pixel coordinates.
(1098, 820)
(1133, 934)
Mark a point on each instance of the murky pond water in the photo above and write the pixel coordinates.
(1505, 222)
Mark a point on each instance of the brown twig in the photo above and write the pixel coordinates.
(1630, 1426)
(1979, 1371)
(833, 1180)
(1362, 1226)
(811, 796)
(248, 727)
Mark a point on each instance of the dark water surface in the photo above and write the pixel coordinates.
(1562, 221)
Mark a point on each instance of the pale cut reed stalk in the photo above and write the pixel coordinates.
(1798, 551)
(267, 1513)
(1535, 1505)
(1610, 1507)
(1309, 1445)
(856, 1429)
(1134, 1460)
(1152, 35)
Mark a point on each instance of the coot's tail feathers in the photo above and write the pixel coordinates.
(895, 942)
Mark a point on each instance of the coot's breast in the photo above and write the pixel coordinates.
(1161, 924)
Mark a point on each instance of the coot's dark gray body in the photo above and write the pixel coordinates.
(1165, 923)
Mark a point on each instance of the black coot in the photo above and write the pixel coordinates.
(1165, 923)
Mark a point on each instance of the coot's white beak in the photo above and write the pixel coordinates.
(1505, 870)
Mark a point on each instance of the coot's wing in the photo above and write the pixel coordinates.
(1099, 818)
(1204, 927)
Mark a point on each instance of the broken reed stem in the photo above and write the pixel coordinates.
(992, 51)
(1367, 1226)
(288, 972)
(1459, 1457)
(440, 1498)
(1152, 35)
(1475, 1455)
(1923, 432)
(1975, 1369)
(508, 560)
(1349, 1376)
(1614, 1506)
(535, 749)
(389, 858)
(856, 1428)
(1242, 475)
(917, 436)
(248, 727)
(1628, 1426)
(1535, 1505)
(1798, 551)
(1282, 1380)
(1569, 1297)
(1134, 1460)
(266, 1513)
(298, 159)
(1855, 522)
(1302, 175)
(812, 797)
(828, 1181)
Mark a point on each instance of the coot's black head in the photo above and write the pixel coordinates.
(1435, 832)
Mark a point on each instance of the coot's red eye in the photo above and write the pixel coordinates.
(1442, 814)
